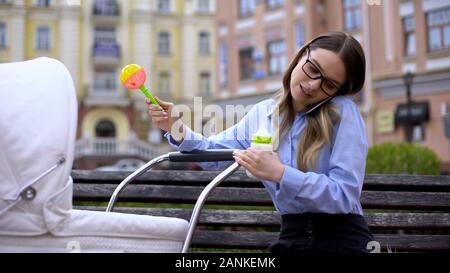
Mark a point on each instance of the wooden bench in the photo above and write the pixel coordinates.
(405, 213)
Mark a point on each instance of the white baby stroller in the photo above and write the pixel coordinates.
(38, 119)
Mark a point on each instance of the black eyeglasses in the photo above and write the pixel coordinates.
(313, 72)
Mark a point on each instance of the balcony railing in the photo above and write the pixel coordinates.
(115, 147)
(106, 53)
(109, 49)
(6, 2)
(106, 96)
(42, 3)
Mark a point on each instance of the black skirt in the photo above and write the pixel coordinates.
(322, 233)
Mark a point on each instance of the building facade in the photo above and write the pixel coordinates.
(257, 39)
(173, 40)
(411, 49)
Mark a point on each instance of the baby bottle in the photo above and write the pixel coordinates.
(261, 140)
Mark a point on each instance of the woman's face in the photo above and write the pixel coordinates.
(317, 76)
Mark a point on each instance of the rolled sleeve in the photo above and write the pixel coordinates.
(192, 141)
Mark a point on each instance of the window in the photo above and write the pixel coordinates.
(438, 23)
(299, 35)
(273, 4)
(105, 42)
(205, 84)
(246, 63)
(43, 38)
(2, 34)
(43, 3)
(164, 6)
(277, 57)
(223, 65)
(106, 7)
(164, 43)
(352, 15)
(105, 34)
(418, 132)
(409, 35)
(203, 6)
(204, 43)
(105, 81)
(164, 84)
(246, 7)
(105, 128)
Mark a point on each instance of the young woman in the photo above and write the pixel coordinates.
(316, 172)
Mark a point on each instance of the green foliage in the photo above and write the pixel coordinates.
(402, 158)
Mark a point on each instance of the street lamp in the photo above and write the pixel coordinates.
(408, 80)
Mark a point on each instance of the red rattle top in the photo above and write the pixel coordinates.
(133, 76)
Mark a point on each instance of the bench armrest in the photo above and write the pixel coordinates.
(202, 156)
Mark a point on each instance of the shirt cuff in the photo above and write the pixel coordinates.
(291, 181)
(191, 141)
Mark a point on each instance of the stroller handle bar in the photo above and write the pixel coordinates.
(202, 156)
(194, 156)
(201, 201)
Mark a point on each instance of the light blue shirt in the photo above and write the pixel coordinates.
(334, 187)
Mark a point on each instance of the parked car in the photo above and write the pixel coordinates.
(125, 165)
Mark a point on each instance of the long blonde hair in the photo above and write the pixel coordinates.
(321, 121)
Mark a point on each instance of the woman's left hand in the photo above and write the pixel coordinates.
(264, 165)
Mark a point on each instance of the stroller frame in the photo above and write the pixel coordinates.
(195, 156)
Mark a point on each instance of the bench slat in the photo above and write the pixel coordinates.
(257, 196)
(261, 240)
(408, 220)
(393, 199)
(372, 181)
(177, 194)
(233, 239)
(406, 181)
(256, 229)
(272, 218)
(413, 242)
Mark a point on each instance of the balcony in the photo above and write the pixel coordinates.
(113, 147)
(106, 53)
(103, 96)
(42, 3)
(106, 12)
(4, 2)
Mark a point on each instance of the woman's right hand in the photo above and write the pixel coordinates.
(161, 114)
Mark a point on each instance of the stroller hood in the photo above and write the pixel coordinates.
(38, 118)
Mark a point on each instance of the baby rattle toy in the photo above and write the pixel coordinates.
(133, 77)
